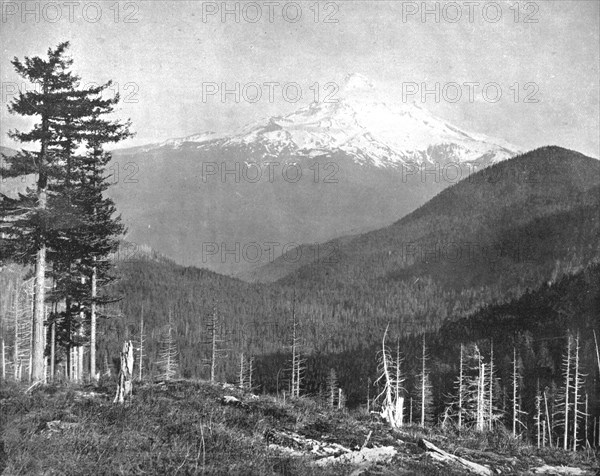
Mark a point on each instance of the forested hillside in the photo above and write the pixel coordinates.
(481, 222)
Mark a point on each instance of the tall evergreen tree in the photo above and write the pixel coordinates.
(101, 228)
(26, 220)
(66, 221)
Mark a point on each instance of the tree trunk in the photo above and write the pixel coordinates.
(52, 350)
(585, 437)
(250, 369)
(549, 426)
(538, 414)
(38, 344)
(423, 384)
(491, 394)
(125, 374)
(515, 409)
(141, 354)
(399, 407)
(567, 386)
(294, 352)
(460, 389)
(481, 398)
(3, 360)
(46, 366)
(93, 374)
(30, 345)
(37, 373)
(576, 395)
(16, 343)
(213, 351)
(69, 332)
(241, 375)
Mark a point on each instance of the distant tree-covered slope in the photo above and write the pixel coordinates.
(13, 186)
(495, 219)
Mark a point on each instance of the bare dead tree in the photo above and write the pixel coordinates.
(459, 399)
(564, 398)
(3, 351)
(250, 373)
(298, 363)
(392, 403)
(539, 419)
(475, 397)
(398, 385)
(517, 423)
(578, 383)
(425, 385)
(242, 372)
(586, 432)
(548, 425)
(492, 416)
(215, 333)
(141, 341)
(167, 357)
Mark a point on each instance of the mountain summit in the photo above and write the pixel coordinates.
(357, 82)
(360, 121)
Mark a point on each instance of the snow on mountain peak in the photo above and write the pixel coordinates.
(357, 82)
(366, 125)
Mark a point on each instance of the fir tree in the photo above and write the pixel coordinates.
(66, 221)
(27, 220)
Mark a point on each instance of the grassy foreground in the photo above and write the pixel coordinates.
(181, 427)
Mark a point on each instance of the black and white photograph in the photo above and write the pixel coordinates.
(310, 237)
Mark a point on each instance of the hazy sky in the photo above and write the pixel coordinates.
(171, 52)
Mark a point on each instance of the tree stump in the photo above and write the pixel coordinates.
(125, 374)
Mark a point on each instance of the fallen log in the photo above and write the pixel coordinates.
(444, 456)
(364, 457)
(295, 444)
(306, 445)
(559, 470)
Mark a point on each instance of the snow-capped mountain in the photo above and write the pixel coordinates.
(352, 154)
(368, 127)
